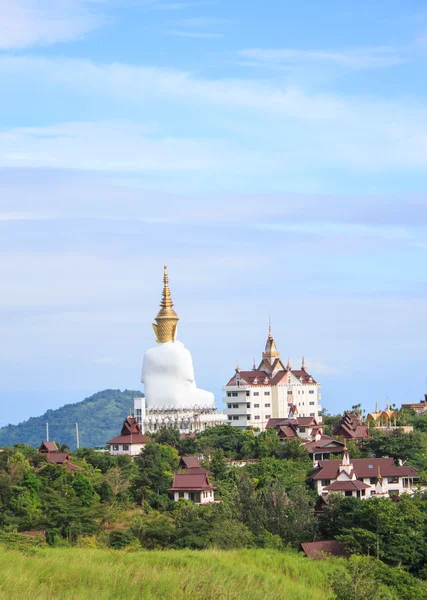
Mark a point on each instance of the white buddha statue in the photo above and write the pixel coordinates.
(167, 369)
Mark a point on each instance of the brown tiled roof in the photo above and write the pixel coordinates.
(250, 376)
(323, 549)
(347, 486)
(287, 431)
(71, 467)
(48, 447)
(325, 444)
(190, 462)
(363, 467)
(190, 481)
(136, 438)
(58, 457)
(293, 422)
(130, 426)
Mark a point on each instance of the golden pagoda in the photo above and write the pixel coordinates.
(166, 319)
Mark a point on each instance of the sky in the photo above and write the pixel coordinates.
(273, 154)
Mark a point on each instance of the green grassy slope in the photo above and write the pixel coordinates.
(100, 418)
(86, 574)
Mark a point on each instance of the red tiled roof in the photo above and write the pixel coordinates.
(293, 422)
(347, 486)
(261, 376)
(363, 467)
(136, 438)
(287, 431)
(190, 462)
(58, 457)
(323, 548)
(325, 444)
(190, 481)
(48, 447)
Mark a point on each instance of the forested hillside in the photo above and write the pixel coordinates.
(100, 417)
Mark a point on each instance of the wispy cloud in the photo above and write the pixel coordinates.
(26, 23)
(356, 58)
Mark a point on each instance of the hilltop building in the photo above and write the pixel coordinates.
(351, 428)
(131, 441)
(171, 396)
(385, 420)
(363, 477)
(271, 390)
(54, 456)
(419, 407)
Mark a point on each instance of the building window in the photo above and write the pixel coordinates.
(267, 405)
(267, 416)
(248, 417)
(266, 393)
(311, 403)
(138, 412)
(257, 417)
(235, 417)
(235, 406)
(372, 480)
(311, 414)
(125, 446)
(229, 394)
(234, 394)
(248, 404)
(302, 429)
(289, 392)
(393, 479)
(325, 482)
(256, 393)
(248, 393)
(115, 447)
(256, 405)
(229, 405)
(311, 391)
(229, 417)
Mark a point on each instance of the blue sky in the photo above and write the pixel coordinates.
(274, 155)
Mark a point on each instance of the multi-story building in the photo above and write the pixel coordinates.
(271, 390)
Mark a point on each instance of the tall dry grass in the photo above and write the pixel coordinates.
(89, 574)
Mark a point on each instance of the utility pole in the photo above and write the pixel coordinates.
(77, 436)
(47, 432)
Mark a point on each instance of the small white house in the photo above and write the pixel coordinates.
(131, 441)
(193, 486)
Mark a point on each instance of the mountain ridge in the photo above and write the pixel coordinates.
(100, 417)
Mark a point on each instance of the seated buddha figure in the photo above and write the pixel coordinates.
(167, 369)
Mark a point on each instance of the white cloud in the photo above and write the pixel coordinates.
(27, 23)
(357, 58)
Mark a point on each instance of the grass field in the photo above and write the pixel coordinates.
(89, 574)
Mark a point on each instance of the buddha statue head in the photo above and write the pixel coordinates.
(166, 319)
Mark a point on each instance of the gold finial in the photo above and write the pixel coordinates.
(379, 473)
(270, 331)
(288, 366)
(303, 364)
(376, 407)
(166, 319)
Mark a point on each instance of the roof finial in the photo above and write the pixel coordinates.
(166, 319)
(303, 364)
(288, 366)
(379, 474)
(254, 368)
(237, 366)
(376, 407)
(270, 332)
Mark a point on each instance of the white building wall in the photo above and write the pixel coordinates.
(131, 450)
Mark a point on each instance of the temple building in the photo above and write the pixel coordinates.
(130, 441)
(271, 390)
(172, 398)
(364, 477)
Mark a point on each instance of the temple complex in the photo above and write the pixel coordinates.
(171, 395)
(271, 390)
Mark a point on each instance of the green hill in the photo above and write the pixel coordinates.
(100, 417)
(86, 574)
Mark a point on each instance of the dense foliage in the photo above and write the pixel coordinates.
(265, 503)
(100, 418)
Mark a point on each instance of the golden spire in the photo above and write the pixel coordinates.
(271, 352)
(376, 407)
(270, 333)
(166, 319)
